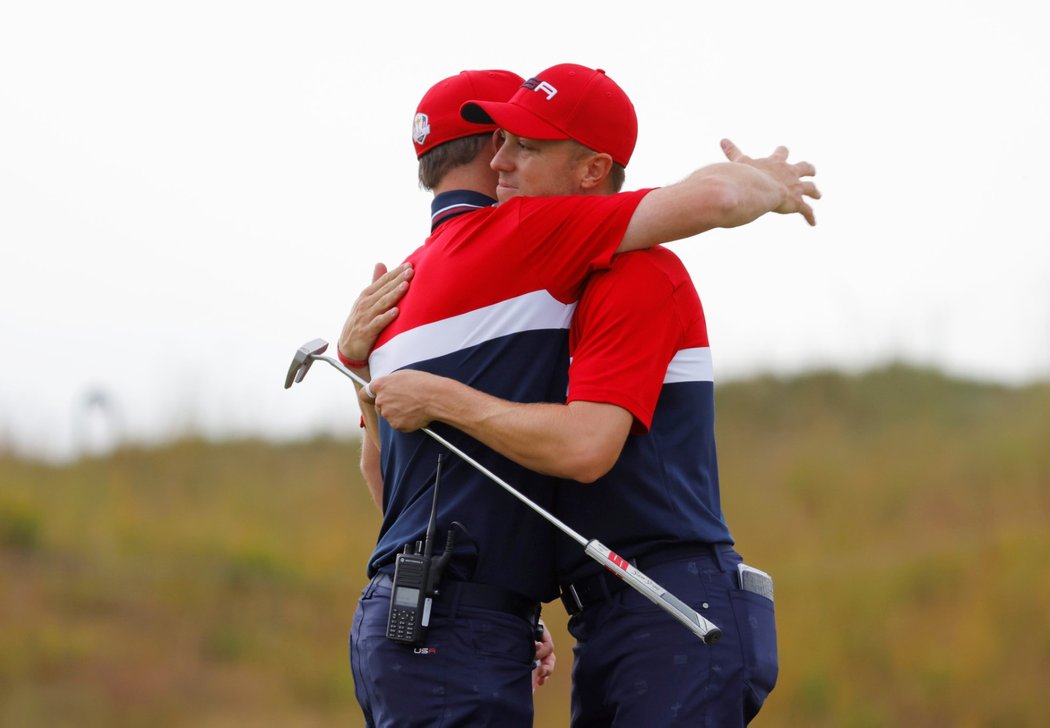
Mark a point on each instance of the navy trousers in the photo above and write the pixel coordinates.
(473, 669)
(636, 666)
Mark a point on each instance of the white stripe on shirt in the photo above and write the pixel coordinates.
(691, 365)
(529, 312)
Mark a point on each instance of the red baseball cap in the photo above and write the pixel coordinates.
(437, 117)
(566, 101)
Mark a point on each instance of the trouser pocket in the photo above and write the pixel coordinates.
(756, 623)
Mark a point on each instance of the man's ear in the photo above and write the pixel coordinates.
(595, 171)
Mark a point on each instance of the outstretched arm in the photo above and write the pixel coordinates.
(579, 440)
(723, 195)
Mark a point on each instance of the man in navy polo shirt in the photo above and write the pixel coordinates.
(453, 162)
(503, 333)
(454, 158)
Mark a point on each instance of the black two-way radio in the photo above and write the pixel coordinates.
(416, 578)
(409, 604)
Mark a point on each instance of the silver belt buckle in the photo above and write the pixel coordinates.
(570, 599)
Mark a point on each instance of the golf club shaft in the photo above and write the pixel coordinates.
(474, 463)
(610, 560)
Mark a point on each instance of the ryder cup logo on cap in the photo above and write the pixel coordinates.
(437, 118)
(566, 101)
(420, 128)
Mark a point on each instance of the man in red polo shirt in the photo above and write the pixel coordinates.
(524, 262)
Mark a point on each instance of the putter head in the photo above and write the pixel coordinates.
(304, 357)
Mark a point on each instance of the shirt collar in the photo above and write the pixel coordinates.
(447, 205)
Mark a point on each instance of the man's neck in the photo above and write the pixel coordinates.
(463, 189)
(477, 177)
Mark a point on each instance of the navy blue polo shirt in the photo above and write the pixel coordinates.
(639, 340)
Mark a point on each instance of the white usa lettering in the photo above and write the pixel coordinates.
(547, 88)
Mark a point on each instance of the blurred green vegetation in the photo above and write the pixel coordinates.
(904, 515)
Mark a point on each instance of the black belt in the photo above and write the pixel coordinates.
(455, 594)
(591, 590)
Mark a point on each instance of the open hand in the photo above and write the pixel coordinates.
(789, 175)
(373, 310)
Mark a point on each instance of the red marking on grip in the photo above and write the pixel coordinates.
(618, 560)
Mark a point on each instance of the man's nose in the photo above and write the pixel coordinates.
(501, 160)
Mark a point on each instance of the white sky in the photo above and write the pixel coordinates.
(189, 191)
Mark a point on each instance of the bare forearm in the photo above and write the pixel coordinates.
(371, 471)
(555, 439)
(721, 195)
(371, 419)
(370, 465)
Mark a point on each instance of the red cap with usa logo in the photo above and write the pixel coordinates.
(566, 101)
(437, 117)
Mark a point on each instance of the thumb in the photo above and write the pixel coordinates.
(378, 272)
(732, 152)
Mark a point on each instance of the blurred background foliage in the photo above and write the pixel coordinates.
(903, 513)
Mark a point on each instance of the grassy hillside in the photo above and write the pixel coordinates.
(904, 515)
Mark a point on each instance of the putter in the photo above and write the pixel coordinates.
(613, 562)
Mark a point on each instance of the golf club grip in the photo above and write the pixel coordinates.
(693, 621)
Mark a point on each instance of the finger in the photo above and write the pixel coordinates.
(371, 324)
(375, 302)
(378, 272)
(388, 278)
(374, 327)
(804, 169)
(780, 154)
(388, 298)
(732, 152)
(809, 189)
(807, 212)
